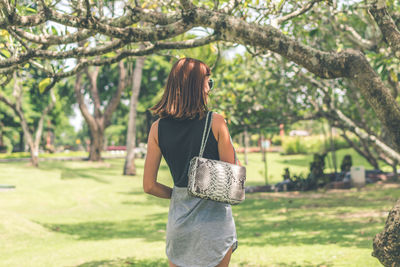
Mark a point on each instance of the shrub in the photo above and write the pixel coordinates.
(294, 145)
(276, 140)
(341, 143)
(311, 144)
(8, 146)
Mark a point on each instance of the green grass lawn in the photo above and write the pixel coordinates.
(52, 155)
(80, 213)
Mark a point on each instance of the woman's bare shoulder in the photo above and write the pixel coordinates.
(218, 125)
(155, 124)
(154, 130)
(218, 119)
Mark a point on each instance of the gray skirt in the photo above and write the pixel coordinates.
(199, 232)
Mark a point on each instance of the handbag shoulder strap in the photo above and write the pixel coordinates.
(234, 151)
(206, 133)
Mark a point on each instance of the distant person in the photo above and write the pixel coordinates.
(199, 232)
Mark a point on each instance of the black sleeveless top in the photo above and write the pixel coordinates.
(179, 141)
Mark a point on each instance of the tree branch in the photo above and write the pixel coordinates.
(386, 24)
(6, 101)
(113, 104)
(351, 125)
(80, 52)
(351, 64)
(17, 107)
(127, 34)
(356, 38)
(141, 14)
(73, 53)
(82, 106)
(49, 39)
(49, 107)
(355, 96)
(365, 153)
(11, 18)
(8, 79)
(298, 12)
(87, 9)
(92, 75)
(129, 53)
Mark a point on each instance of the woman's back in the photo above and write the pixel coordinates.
(180, 141)
(200, 232)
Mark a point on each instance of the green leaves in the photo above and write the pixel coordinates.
(5, 53)
(43, 84)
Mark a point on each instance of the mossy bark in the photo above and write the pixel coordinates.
(387, 243)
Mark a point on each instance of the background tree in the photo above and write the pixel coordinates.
(31, 111)
(129, 166)
(101, 117)
(10, 131)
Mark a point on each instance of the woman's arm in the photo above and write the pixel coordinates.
(151, 165)
(225, 146)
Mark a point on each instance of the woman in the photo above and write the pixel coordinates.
(199, 232)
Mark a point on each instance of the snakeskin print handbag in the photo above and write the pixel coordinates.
(214, 179)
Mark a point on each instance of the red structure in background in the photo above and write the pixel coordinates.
(282, 130)
(113, 148)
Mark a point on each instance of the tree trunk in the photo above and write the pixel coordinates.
(129, 166)
(262, 150)
(387, 243)
(246, 145)
(21, 143)
(333, 148)
(32, 141)
(396, 175)
(96, 145)
(1, 134)
(264, 157)
(34, 150)
(105, 143)
(241, 137)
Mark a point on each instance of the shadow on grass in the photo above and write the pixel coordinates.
(261, 222)
(84, 170)
(150, 200)
(93, 173)
(304, 264)
(312, 200)
(283, 264)
(309, 230)
(151, 229)
(67, 173)
(126, 262)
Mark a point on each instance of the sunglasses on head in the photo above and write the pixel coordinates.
(211, 83)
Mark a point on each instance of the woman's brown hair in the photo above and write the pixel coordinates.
(184, 95)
